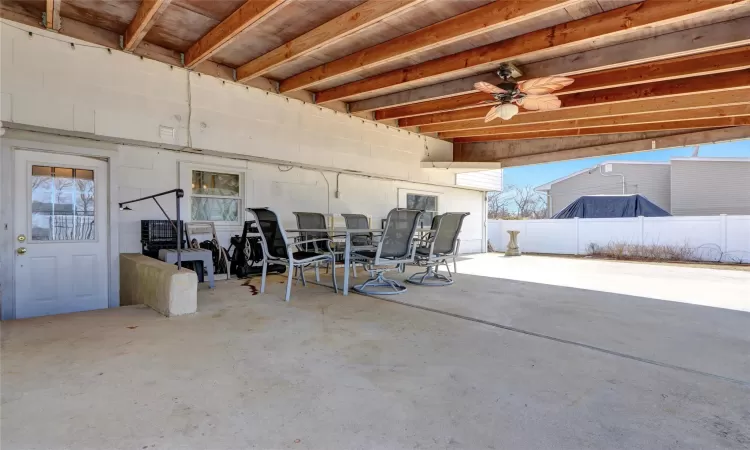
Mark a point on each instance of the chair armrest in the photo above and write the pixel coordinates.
(309, 241)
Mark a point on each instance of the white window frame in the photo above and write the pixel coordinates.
(402, 199)
(186, 181)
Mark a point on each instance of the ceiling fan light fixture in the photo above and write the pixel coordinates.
(506, 111)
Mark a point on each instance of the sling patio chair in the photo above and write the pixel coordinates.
(317, 221)
(277, 248)
(436, 248)
(394, 249)
(359, 241)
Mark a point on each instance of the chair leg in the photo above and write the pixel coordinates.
(455, 265)
(445, 261)
(289, 282)
(354, 269)
(263, 277)
(302, 275)
(333, 269)
(317, 272)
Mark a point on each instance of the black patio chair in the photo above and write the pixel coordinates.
(277, 248)
(394, 249)
(436, 248)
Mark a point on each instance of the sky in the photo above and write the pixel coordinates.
(539, 174)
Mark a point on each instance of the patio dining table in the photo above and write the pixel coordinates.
(346, 234)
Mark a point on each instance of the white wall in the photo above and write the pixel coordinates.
(138, 105)
(145, 171)
(45, 83)
(490, 180)
(712, 237)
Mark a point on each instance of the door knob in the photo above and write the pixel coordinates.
(21, 250)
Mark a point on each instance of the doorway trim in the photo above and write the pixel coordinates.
(43, 142)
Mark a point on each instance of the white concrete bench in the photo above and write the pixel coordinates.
(159, 285)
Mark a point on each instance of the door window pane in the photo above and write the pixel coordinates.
(62, 204)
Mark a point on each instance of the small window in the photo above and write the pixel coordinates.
(215, 196)
(426, 203)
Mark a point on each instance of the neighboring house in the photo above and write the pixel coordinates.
(683, 186)
(650, 179)
(709, 186)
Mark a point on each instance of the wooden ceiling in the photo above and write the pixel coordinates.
(653, 66)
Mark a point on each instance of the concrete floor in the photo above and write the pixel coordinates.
(334, 372)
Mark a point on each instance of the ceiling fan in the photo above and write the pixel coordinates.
(534, 95)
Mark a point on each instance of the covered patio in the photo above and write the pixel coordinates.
(367, 108)
(486, 363)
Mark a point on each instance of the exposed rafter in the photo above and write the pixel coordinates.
(471, 23)
(725, 98)
(686, 66)
(248, 14)
(332, 31)
(589, 29)
(681, 43)
(659, 126)
(145, 17)
(538, 151)
(649, 117)
(701, 84)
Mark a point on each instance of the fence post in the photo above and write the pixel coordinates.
(723, 238)
(641, 224)
(578, 237)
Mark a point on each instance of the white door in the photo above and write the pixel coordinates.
(60, 233)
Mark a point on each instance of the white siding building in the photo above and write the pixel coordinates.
(650, 179)
(683, 186)
(708, 186)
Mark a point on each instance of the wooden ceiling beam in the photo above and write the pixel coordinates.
(660, 126)
(539, 151)
(687, 66)
(251, 12)
(700, 84)
(650, 117)
(682, 102)
(680, 43)
(621, 20)
(52, 15)
(463, 26)
(145, 17)
(330, 32)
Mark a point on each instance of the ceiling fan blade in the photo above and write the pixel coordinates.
(540, 102)
(491, 114)
(544, 85)
(488, 88)
(487, 102)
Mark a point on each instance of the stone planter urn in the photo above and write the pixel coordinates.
(513, 249)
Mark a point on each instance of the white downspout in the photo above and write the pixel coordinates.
(613, 175)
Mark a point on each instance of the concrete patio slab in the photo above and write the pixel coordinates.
(679, 331)
(327, 372)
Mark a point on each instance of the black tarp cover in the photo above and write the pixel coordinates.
(603, 206)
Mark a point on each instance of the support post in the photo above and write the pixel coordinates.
(723, 235)
(179, 232)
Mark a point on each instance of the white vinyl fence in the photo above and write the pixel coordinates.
(711, 238)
